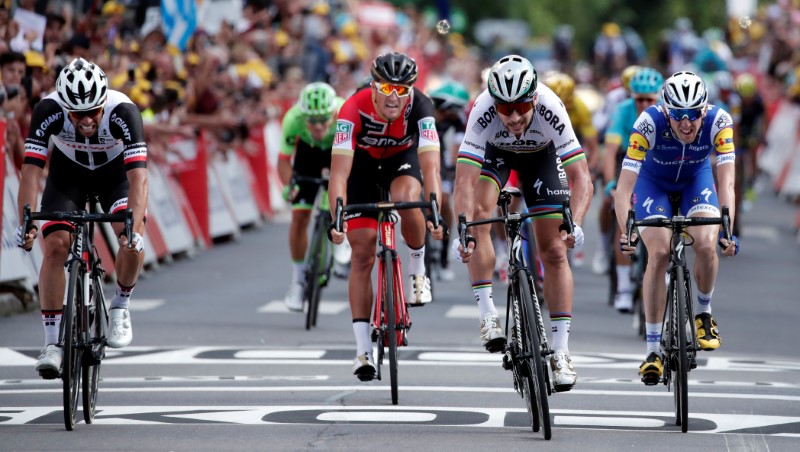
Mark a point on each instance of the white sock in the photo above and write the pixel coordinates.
(483, 295)
(51, 320)
(653, 337)
(122, 297)
(704, 301)
(416, 264)
(298, 272)
(559, 324)
(363, 342)
(623, 278)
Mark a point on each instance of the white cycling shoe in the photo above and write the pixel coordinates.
(121, 330)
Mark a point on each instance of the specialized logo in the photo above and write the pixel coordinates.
(344, 132)
(500, 162)
(706, 193)
(427, 130)
(647, 204)
(404, 166)
(538, 186)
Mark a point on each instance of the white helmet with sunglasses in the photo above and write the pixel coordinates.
(82, 86)
(512, 79)
(684, 91)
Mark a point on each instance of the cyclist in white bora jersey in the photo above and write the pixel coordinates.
(519, 124)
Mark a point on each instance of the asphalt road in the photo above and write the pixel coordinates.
(217, 363)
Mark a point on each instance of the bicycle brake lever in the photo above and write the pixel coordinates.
(568, 224)
(435, 214)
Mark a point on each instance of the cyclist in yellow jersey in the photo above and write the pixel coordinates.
(579, 115)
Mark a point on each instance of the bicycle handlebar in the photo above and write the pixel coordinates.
(679, 221)
(296, 179)
(81, 216)
(384, 206)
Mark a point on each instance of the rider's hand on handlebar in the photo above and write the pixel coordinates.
(626, 249)
(437, 233)
(458, 251)
(135, 245)
(335, 236)
(25, 241)
(574, 240)
(728, 250)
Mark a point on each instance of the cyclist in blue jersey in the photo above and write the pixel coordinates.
(644, 86)
(668, 154)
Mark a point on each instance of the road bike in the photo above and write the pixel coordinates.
(678, 336)
(319, 256)
(84, 324)
(527, 351)
(390, 319)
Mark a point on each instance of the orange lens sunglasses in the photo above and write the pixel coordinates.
(387, 88)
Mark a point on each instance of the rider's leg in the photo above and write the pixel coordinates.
(558, 284)
(706, 264)
(654, 290)
(362, 241)
(298, 240)
(52, 282)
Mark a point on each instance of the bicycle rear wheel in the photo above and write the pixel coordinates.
(532, 351)
(313, 264)
(71, 366)
(389, 294)
(682, 366)
(97, 321)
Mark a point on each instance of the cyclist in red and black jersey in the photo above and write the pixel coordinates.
(385, 138)
(99, 150)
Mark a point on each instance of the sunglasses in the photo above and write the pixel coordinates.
(508, 109)
(689, 113)
(317, 119)
(387, 88)
(78, 115)
(648, 100)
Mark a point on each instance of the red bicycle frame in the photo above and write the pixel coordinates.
(379, 315)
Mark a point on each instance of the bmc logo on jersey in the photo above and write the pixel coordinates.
(427, 130)
(344, 130)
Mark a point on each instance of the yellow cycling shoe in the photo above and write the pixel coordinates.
(651, 369)
(707, 332)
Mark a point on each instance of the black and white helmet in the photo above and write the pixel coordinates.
(82, 85)
(512, 79)
(684, 90)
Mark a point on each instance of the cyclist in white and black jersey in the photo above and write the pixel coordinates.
(517, 124)
(98, 148)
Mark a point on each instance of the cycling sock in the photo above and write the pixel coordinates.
(122, 297)
(704, 302)
(361, 331)
(653, 331)
(51, 319)
(416, 265)
(483, 295)
(560, 323)
(623, 278)
(298, 271)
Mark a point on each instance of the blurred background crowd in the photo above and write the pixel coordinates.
(229, 66)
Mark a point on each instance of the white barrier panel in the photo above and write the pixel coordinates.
(781, 139)
(791, 186)
(272, 138)
(236, 184)
(15, 263)
(221, 218)
(161, 203)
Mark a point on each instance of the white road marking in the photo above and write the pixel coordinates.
(145, 304)
(325, 307)
(463, 312)
(608, 421)
(375, 416)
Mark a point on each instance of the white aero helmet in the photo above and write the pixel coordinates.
(684, 90)
(512, 79)
(82, 85)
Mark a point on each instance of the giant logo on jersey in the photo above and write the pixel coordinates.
(46, 123)
(552, 119)
(344, 132)
(122, 125)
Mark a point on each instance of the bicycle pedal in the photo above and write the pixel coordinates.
(562, 388)
(48, 374)
(507, 362)
(651, 380)
(496, 345)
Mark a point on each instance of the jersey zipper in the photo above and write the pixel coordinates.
(683, 155)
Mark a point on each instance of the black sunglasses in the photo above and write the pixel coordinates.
(85, 113)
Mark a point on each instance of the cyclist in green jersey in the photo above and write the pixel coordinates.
(308, 129)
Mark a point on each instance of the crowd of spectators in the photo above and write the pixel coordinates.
(233, 77)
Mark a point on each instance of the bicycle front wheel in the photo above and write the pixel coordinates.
(532, 353)
(96, 327)
(71, 365)
(389, 294)
(313, 263)
(682, 366)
